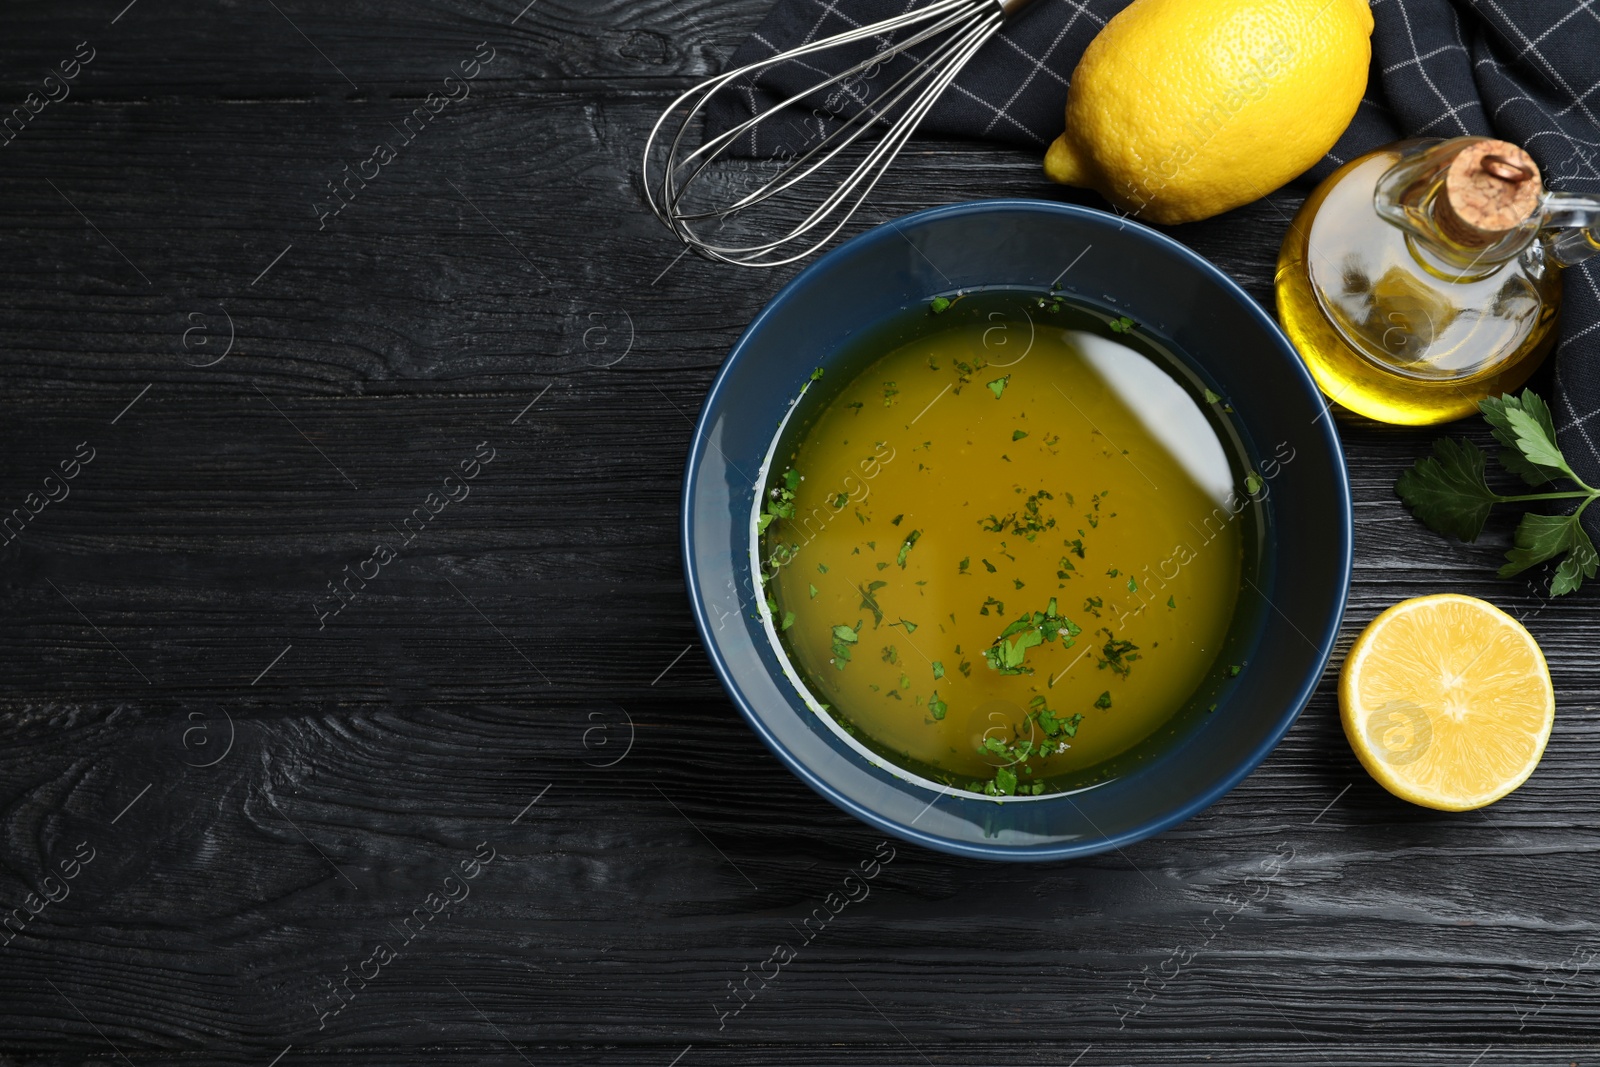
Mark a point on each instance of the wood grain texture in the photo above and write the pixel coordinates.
(269, 794)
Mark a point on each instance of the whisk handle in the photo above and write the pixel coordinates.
(1011, 7)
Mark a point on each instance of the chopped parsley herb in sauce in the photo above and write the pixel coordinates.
(1118, 655)
(843, 638)
(869, 601)
(1010, 649)
(906, 547)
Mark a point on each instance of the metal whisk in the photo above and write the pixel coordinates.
(964, 25)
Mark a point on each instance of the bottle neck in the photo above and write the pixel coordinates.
(1472, 202)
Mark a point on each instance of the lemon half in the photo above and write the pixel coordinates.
(1447, 701)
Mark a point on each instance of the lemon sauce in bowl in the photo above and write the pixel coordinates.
(1002, 548)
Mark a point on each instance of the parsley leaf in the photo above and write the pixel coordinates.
(1103, 701)
(938, 670)
(1581, 563)
(937, 706)
(1122, 325)
(1541, 537)
(1447, 491)
(1524, 425)
(1017, 435)
(998, 386)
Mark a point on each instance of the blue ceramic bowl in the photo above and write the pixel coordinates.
(1288, 615)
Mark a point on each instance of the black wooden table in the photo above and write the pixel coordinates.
(359, 621)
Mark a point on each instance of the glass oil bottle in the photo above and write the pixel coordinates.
(1425, 276)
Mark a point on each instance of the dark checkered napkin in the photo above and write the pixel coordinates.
(1524, 70)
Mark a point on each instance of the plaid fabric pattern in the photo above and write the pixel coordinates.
(1524, 70)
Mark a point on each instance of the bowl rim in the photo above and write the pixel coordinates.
(1037, 853)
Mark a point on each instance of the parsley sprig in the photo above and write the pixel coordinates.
(1449, 493)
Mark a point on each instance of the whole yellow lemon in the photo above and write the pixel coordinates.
(1184, 109)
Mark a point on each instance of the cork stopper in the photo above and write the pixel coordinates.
(1491, 188)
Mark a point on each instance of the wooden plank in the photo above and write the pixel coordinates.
(152, 53)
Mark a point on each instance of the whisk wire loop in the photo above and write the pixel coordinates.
(959, 29)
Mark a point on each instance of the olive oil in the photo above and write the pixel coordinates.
(1009, 550)
(1416, 280)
